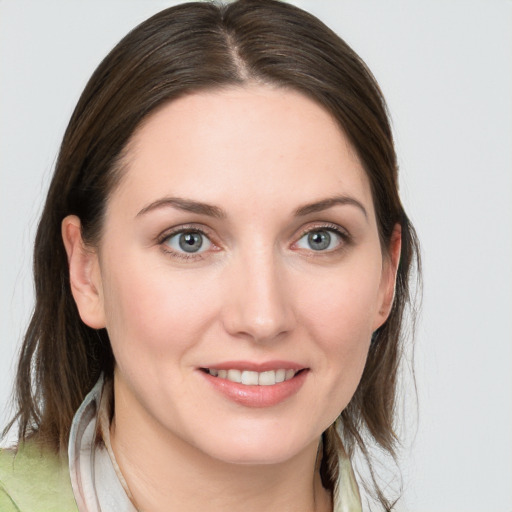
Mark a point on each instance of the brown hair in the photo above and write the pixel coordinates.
(182, 49)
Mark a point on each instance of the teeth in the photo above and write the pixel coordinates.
(267, 378)
(234, 375)
(250, 378)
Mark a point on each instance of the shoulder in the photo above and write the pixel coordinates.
(34, 479)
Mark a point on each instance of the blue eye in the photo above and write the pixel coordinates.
(191, 242)
(320, 240)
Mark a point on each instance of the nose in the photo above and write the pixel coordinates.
(259, 305)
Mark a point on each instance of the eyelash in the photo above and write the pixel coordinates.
(164, 237)
(346, 238)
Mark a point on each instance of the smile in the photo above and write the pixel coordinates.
(252, 378)
(255, 384)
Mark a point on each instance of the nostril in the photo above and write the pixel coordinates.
(258, 305)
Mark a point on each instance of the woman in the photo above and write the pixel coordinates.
(221, 272)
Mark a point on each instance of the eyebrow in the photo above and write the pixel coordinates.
(201, 208)
(325, 204)
(186, 205)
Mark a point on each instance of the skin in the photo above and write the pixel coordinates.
(256, 291)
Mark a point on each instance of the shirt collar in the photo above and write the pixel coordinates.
(97, 482)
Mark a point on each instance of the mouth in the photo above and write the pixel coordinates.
(256, 385)
(253, 378)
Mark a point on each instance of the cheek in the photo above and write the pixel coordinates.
(147, 313)
(343, 305)
(339, 317)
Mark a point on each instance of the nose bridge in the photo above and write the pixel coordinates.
(259, 306)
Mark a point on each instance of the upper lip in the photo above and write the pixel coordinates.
(256, 366)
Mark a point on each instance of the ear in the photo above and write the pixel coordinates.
(84, 274)
(388, 279)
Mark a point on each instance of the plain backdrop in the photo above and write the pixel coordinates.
(446, 70)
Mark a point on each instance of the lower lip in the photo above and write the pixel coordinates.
(257, 396)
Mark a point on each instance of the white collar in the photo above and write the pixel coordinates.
(95, 477)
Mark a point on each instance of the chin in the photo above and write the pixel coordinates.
(252, 458)
(275, 448)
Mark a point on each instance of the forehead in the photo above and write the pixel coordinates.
(255, 143)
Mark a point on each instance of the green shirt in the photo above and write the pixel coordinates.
(34, 480)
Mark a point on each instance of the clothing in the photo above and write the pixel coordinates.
(35, 480)
(89, 479)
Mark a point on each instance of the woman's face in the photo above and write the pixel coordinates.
(241, 244)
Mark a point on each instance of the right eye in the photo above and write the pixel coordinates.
(189, 242)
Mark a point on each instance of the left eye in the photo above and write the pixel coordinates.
(320, 240)
(191, 242)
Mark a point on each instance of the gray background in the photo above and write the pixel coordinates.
(446, 70)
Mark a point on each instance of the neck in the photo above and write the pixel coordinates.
(163, 472)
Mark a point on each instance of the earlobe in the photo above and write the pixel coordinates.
(389, 274)
(84, 274)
